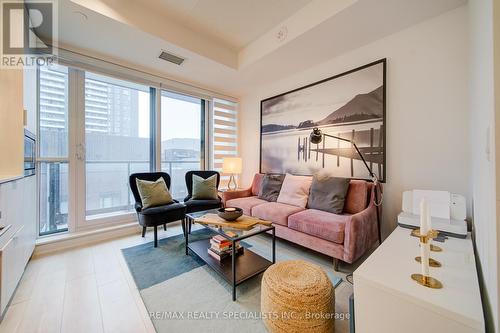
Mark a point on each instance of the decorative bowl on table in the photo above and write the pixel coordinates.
(230, 213)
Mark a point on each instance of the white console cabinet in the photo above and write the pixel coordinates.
(386, 299)
(17, 240)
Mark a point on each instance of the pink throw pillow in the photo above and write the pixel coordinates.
(295, 190)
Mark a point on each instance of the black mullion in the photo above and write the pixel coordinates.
(202, 135)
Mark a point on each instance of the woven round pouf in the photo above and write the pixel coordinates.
(297, 296)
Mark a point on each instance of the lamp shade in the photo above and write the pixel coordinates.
(231, 165)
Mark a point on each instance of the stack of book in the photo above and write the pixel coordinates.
(221, 248)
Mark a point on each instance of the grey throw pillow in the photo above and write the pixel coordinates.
(153, 193)
(204, 189)
(328, 194)
(271, 186)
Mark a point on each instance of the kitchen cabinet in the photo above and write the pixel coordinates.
(17, 242)
(386, 299)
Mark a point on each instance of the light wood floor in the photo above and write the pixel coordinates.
(87, 289)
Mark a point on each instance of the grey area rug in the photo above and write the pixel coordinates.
(150, 266)
(183, 294)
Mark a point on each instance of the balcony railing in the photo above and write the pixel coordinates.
(107, 188)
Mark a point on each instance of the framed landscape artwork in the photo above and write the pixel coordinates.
(350, 105)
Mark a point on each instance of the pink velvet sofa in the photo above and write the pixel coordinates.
(344, 237)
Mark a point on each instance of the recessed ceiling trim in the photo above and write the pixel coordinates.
(302, 21)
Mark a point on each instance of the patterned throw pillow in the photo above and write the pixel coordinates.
(153, 193)
(328, 194)
(204, 189)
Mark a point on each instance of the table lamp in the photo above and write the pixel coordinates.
(232, 166)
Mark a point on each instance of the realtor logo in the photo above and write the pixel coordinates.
(28, 32)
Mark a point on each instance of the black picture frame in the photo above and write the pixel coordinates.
(383, 61)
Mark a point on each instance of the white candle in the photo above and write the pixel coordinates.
(428, 217)
(230, 209)
(424, 258)
(424, 217)
(425, 248)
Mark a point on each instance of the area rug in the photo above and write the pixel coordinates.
(183, 294)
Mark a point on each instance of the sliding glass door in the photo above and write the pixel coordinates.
(182, 138)
(53, 156)
(117, 142)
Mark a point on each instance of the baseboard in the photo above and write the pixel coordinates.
(71, 240)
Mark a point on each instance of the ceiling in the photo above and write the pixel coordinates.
(234, 22)
(221, 54)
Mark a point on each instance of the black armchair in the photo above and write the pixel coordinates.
(197, 205)
(155, 216)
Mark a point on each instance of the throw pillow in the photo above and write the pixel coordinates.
(295, 190)
(270, 187)
(153, 193)
(328, 194)
(204, 189)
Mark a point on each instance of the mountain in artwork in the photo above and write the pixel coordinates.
(276, 128)
(360, 107)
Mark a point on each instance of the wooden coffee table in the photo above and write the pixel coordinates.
(237, 269)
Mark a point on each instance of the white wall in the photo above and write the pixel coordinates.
(427, 107)
(482, 125)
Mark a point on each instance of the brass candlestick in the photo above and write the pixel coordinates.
(426, 281)
(424, 239)
(434, 248)
(432, 262)
(431, 234)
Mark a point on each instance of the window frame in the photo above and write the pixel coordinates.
(77, 65)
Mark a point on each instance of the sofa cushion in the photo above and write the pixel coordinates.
(328, 193)
(320, 224)
(195, 205)
(275, 212)
(164, 209)
(271, 186)
(245, 203)
(357, 196)
(295, 190)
